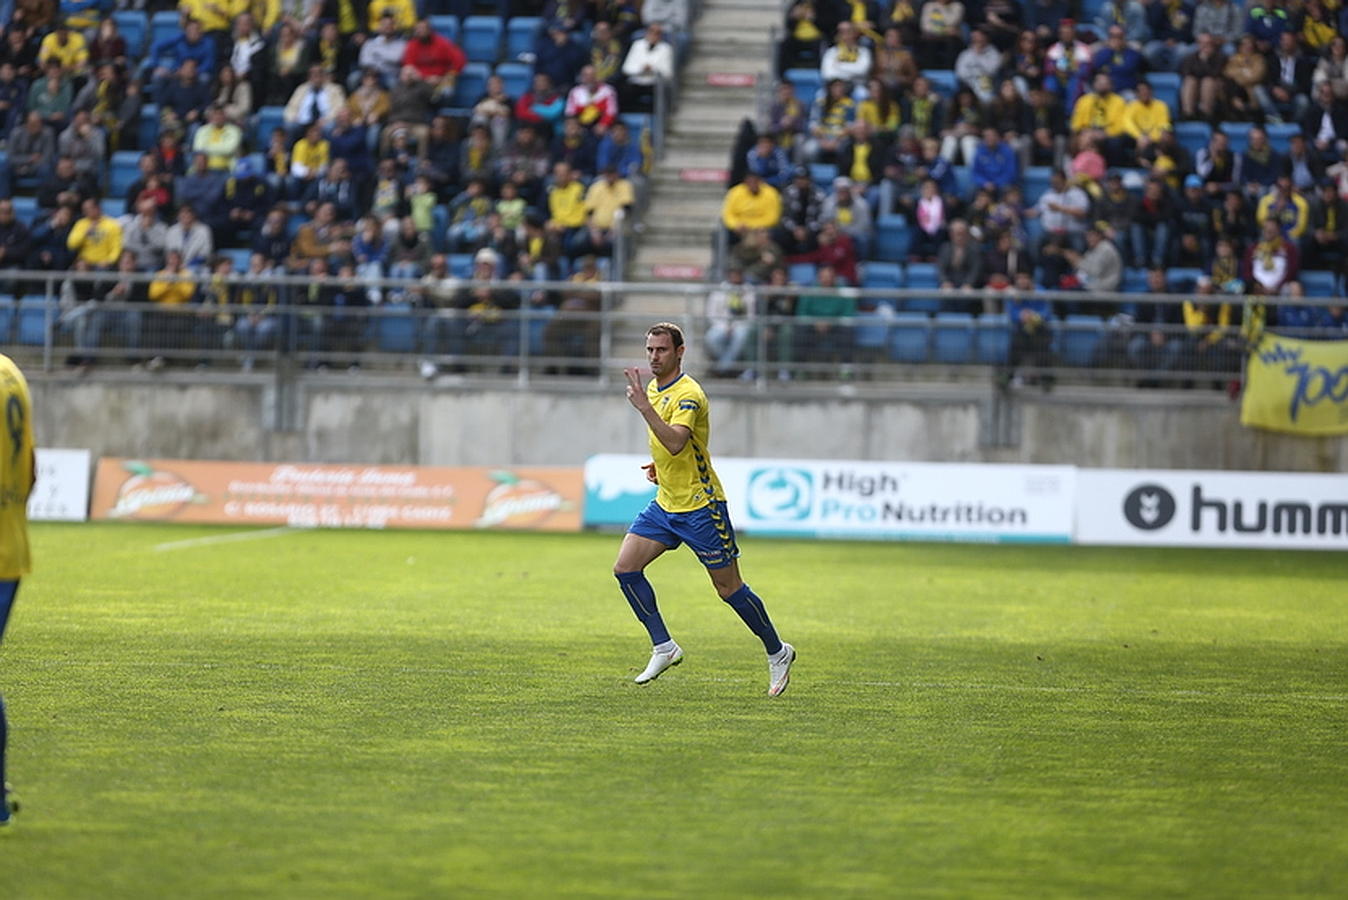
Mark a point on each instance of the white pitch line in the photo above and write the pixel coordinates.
(230, 538)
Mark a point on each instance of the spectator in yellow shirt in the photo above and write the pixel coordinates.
(166, 289)
(1286, 207)
(96, 239)
(607, 195)
(404, 13)
(1100, 110)
(219, 140)
(309, 157)
(751, 204)
(216, 16)
(1146, 118)
(566, 200)
(67, 47)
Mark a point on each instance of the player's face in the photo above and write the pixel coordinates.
(662, 354)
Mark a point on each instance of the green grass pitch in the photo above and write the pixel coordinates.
(342, 714)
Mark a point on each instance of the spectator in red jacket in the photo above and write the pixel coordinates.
(436, 58)
(835, 250)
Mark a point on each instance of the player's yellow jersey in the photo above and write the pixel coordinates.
(16, 469)
(687, 481)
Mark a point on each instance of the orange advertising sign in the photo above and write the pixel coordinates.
(307, 495)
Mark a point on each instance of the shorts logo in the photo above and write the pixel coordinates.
(1149, 507)
(781, 493)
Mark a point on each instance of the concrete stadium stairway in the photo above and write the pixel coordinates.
(731, 53)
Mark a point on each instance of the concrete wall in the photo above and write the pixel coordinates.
(341, 419)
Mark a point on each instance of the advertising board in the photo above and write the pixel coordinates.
(338, 496)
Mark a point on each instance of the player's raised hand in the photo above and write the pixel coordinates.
(636, 391)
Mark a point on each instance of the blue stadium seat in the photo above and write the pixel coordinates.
(396, 330)
(801, 273)
(891, 238)
(1193, 136)
(133, 27)
(1166, 88)
(964, 181)
(1079, 338)
(6, 318)
(992, 341)
(147, 127)
(1184, 279)
(269, 118)
(163, 25)
(122, 171)
(909, 338)
(448, 26)
(471, 84)
(1280, 135)
(516, 76)
(881, 275)
(238, 257)
(823, 174)
(953, 338)
(461, 265)
(440, 228)
(943, 81)
(1239, 133)
(114, 207)
(25, 209)
(806, 82)
(1035, 182)
(33, 320)
(521, 32)
(538, 323)
(922, 275)
(637, 123)
(1088, 11)
(1319, 283)
(482, 38)
(871, 329)
(1134, 281)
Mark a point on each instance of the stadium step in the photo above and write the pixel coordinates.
(718, 89)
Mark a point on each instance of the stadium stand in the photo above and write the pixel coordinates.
(1081, 151)
(318, 148)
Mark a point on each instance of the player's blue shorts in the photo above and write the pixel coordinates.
(7, 591)
(707, 531)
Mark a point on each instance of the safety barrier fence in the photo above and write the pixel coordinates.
(529, 329)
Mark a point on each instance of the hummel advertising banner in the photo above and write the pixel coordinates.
(1212, 509)
(861, 500)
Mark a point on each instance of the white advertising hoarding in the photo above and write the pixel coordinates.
(1212, 509)
(62, 490)
(862, 500)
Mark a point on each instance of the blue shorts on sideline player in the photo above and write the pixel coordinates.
(707, 531)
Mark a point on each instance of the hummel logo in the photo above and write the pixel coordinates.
(1148, 508)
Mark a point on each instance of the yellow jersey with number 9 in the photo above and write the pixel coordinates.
(687, 481)
(16, 470)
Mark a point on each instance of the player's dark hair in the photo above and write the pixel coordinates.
(675, 332)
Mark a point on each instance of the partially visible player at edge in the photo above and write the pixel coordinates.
(689, 507)
(18, 471)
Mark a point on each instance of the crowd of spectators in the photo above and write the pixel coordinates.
(1148, 145)
(324, 138)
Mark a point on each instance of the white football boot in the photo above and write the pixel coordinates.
(659, 662)
(779, 669)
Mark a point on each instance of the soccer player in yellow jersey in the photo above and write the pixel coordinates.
(17, 473)
(689, 508)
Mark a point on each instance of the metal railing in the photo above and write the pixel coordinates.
(417, 327)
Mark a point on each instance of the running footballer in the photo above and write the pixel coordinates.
(689, 508)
